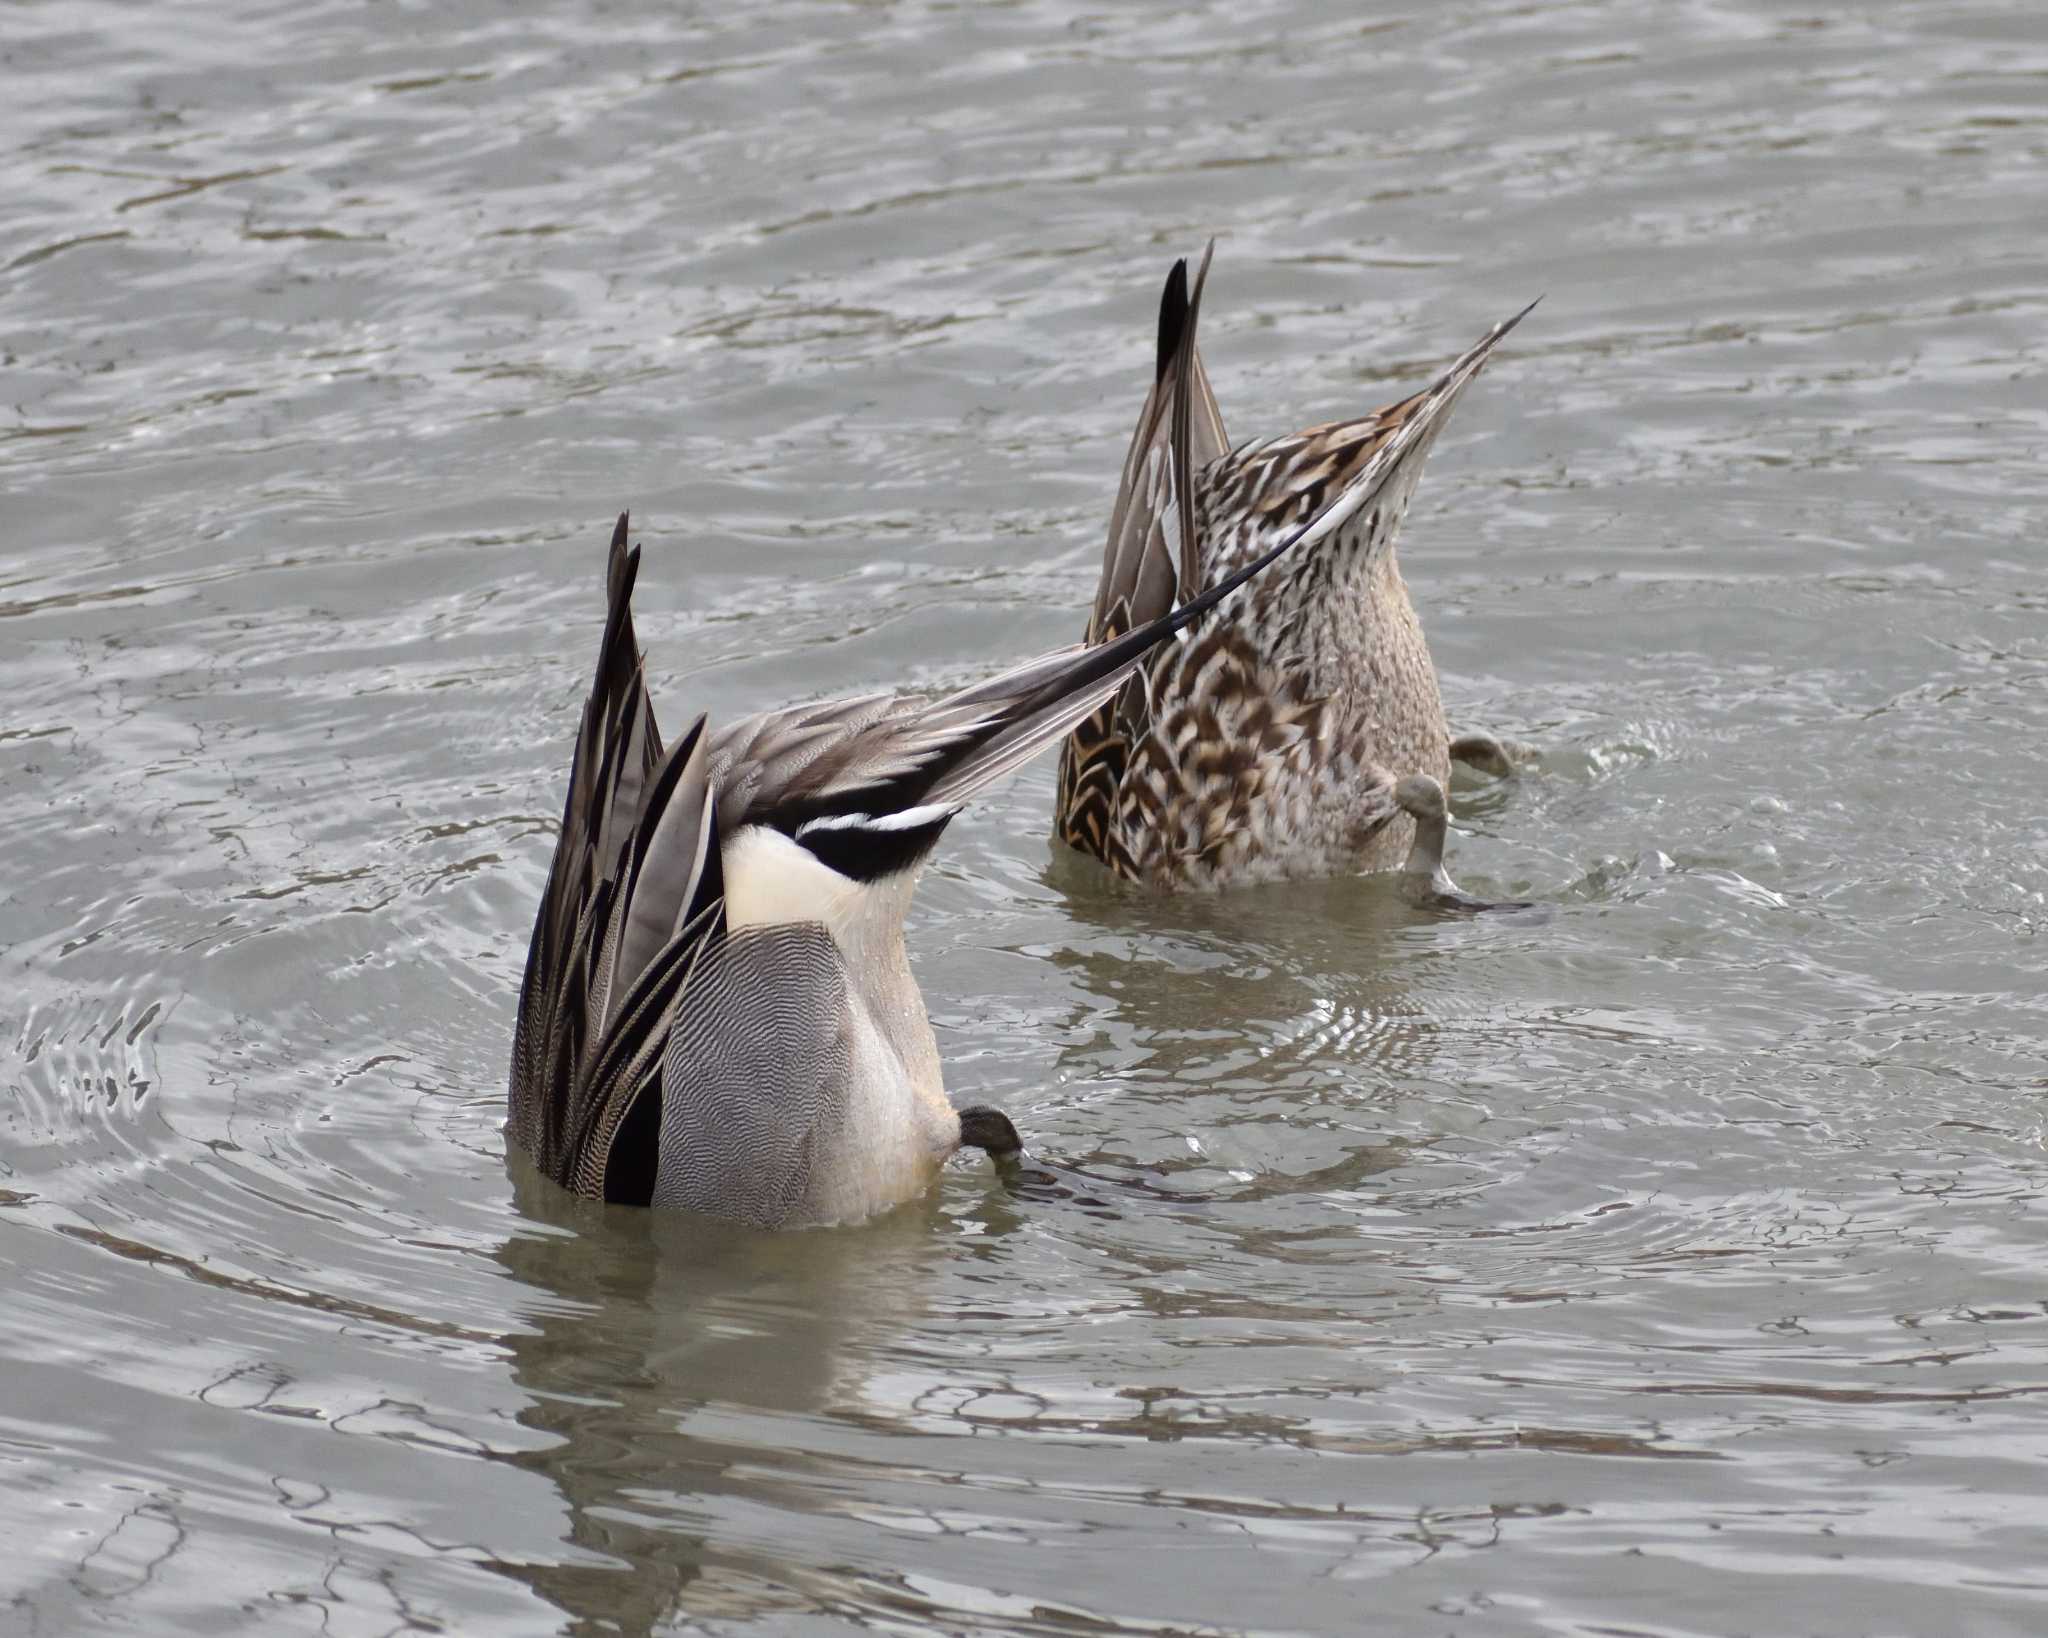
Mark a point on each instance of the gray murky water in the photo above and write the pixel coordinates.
(1669, 1264)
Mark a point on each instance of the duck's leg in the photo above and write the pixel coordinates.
(982, 1127)
(1423, 875)
(1484, 754)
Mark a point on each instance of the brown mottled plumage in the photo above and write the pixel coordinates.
(1267, 741)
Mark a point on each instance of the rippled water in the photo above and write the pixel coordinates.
(1666, 1262)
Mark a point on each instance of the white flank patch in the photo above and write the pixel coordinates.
(771, 882)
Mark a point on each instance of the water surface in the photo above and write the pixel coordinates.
(1666, 1263)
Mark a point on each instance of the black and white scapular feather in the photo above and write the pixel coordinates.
(718, 1012)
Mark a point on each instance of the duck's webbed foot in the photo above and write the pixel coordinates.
(989, 1129)
(1484, 754)
(1423, 876)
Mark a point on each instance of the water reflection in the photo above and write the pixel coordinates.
(1292, 962)
(676, 1362)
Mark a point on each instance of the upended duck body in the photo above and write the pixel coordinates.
(718, 1011)
(1270, 744)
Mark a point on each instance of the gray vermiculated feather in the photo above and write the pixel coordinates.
(756, 1075)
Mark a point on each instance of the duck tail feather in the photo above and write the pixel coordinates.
(1066, 693)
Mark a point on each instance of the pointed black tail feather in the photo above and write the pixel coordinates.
(1173, 317)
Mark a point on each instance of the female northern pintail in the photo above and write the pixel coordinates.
(1270, 742)
(717, 1012)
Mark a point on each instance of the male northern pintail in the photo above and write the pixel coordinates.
(1270, 743)
(718, 1013)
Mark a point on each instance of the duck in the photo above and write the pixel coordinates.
(1271, 742)
(717, 1012)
